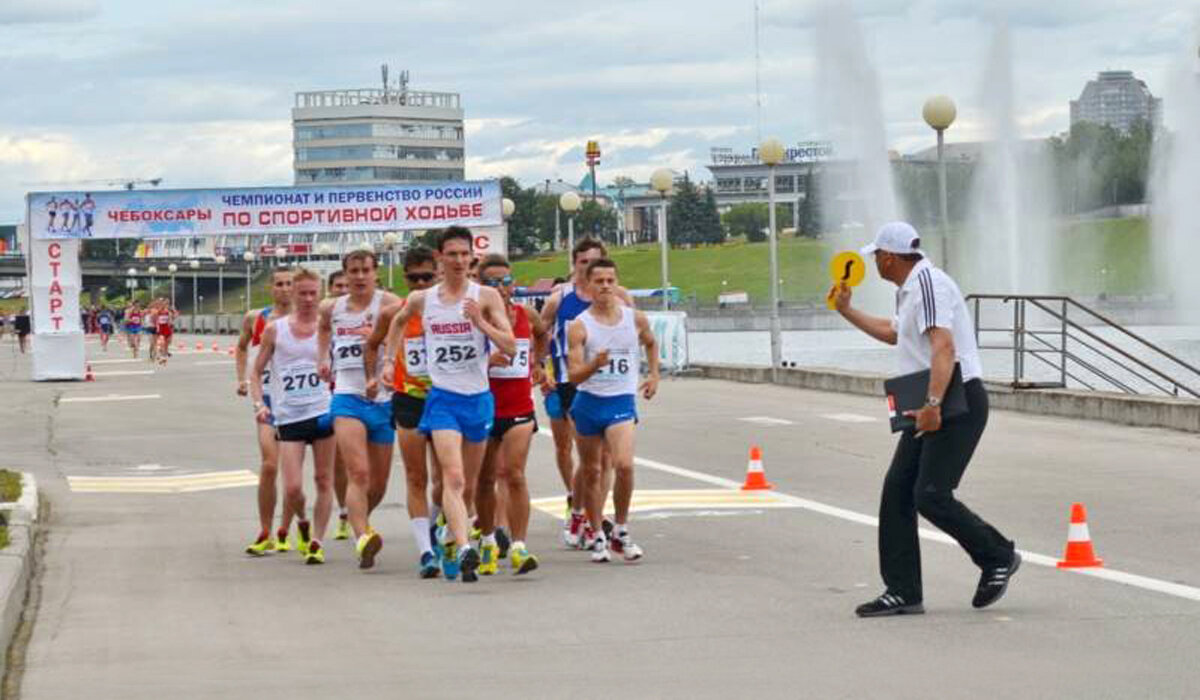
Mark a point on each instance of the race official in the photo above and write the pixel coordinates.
(932, 331)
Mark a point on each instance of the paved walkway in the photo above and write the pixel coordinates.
(147, 595)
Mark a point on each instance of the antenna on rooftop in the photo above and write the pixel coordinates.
(383, 69)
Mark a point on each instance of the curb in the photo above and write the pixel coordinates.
(16, 562)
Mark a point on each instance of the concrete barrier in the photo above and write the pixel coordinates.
(16, 562)
(1140, 411)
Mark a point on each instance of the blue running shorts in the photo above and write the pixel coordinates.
(595, 414)
(376, 417)
(471, 415)
(553, 406)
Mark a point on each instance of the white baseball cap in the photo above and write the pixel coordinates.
(895, 237)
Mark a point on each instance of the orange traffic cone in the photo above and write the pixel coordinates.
(756, 479)
(199, 347)
(229, 352)
(87, 375)
(179, 345)
(1079, 552)
(216, 347)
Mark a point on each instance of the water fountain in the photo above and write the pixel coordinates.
(1175, 192)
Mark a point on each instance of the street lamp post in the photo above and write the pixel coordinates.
(569, 202)
(939, 113)
(220, 260)
(132, 283)
(390, 239)
(172, 268)
(770, 152)
(661, 182)
(153, 271)
(249, 258)
(195, 265)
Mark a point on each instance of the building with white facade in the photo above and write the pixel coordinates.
(1117, 99)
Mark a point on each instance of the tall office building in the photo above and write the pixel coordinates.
(1117, 99)
(388, 134)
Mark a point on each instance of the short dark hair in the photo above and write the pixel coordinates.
(601, 263)
(360, 254)
(451, 233)
(281, 268)
(333, 276)
(558, 280)
(418, 255)
(588, 244)
(493, 260)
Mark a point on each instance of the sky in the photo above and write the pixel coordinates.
(200, 93)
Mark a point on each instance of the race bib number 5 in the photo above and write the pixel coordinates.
(519, 367)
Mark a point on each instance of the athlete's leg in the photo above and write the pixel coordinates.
(485, 493)
(564, 457)
(380, 456)
(449, 447)
(351, 437)
(339, 477)
(291, 461)
(620, 441)
(268, 472)
(323, 481)
(413, 446)
(514, 454)
(590, 458)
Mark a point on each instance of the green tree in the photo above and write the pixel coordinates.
(523, 234)
(685, 214)
(711, 230)
(749, 220)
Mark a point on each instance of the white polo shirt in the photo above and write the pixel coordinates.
(929, 298)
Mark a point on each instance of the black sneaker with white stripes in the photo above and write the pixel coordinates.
(994, 582)
(889, 604)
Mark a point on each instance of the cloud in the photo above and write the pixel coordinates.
(47, 11)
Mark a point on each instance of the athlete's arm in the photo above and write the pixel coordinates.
(324, 334)
(242, 352)
(578, 369)
(415, 304)
(492, 318)
(371, 348)
(550, 309)
(541, 342)
(649, 386)
(266, 351)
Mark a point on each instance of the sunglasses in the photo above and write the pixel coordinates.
(505, 281)
(418, 277)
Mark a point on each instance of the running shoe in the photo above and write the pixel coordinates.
(490, 559)
(303, 537)
(261, 547)
(608, 526)
(994, 582)
(428, 567)
(343, 529)
(476, 535)
(504, 541)
(315, 554)
(282, 544)
(573, 530)
(889, 604)
(368, 547)
(600, 553)
(623, 544)
(468, 562)
(450, 561)
(588, 539)
(522, 561)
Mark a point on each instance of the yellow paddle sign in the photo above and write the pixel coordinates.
(846, 268)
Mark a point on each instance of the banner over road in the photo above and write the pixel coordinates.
(265, 210)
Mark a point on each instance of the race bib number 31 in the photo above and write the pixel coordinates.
(415, 359)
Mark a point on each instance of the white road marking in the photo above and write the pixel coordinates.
(1129, 579)
(766, 420)
(124, 373)
(189, 483)
(212, 362)
(849, 417)
(114, 362)
(110, 397)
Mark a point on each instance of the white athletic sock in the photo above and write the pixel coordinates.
(489, 539)
(343, 513)
(621, 529)
(420, 530)
(519, 544)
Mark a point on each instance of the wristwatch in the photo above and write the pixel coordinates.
(933, 401)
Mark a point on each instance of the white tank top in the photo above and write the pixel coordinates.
(620, 376)
(297, 392)
(349, 341)
(456, 349)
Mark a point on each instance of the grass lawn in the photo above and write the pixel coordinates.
(10, 490)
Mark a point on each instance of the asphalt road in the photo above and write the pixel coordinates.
(148, 595)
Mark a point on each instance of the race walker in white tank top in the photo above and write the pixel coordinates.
(456, 349)
(350, 331)
(297, 392)
(620, 376)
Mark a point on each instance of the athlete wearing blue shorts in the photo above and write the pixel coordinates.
(461, 321)
(604, 346)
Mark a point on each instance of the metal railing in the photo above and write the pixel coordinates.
(1075, 352)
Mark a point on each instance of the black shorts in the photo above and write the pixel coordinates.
(406, 411)
(500, 426)
(566, 396)
(308, 431)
